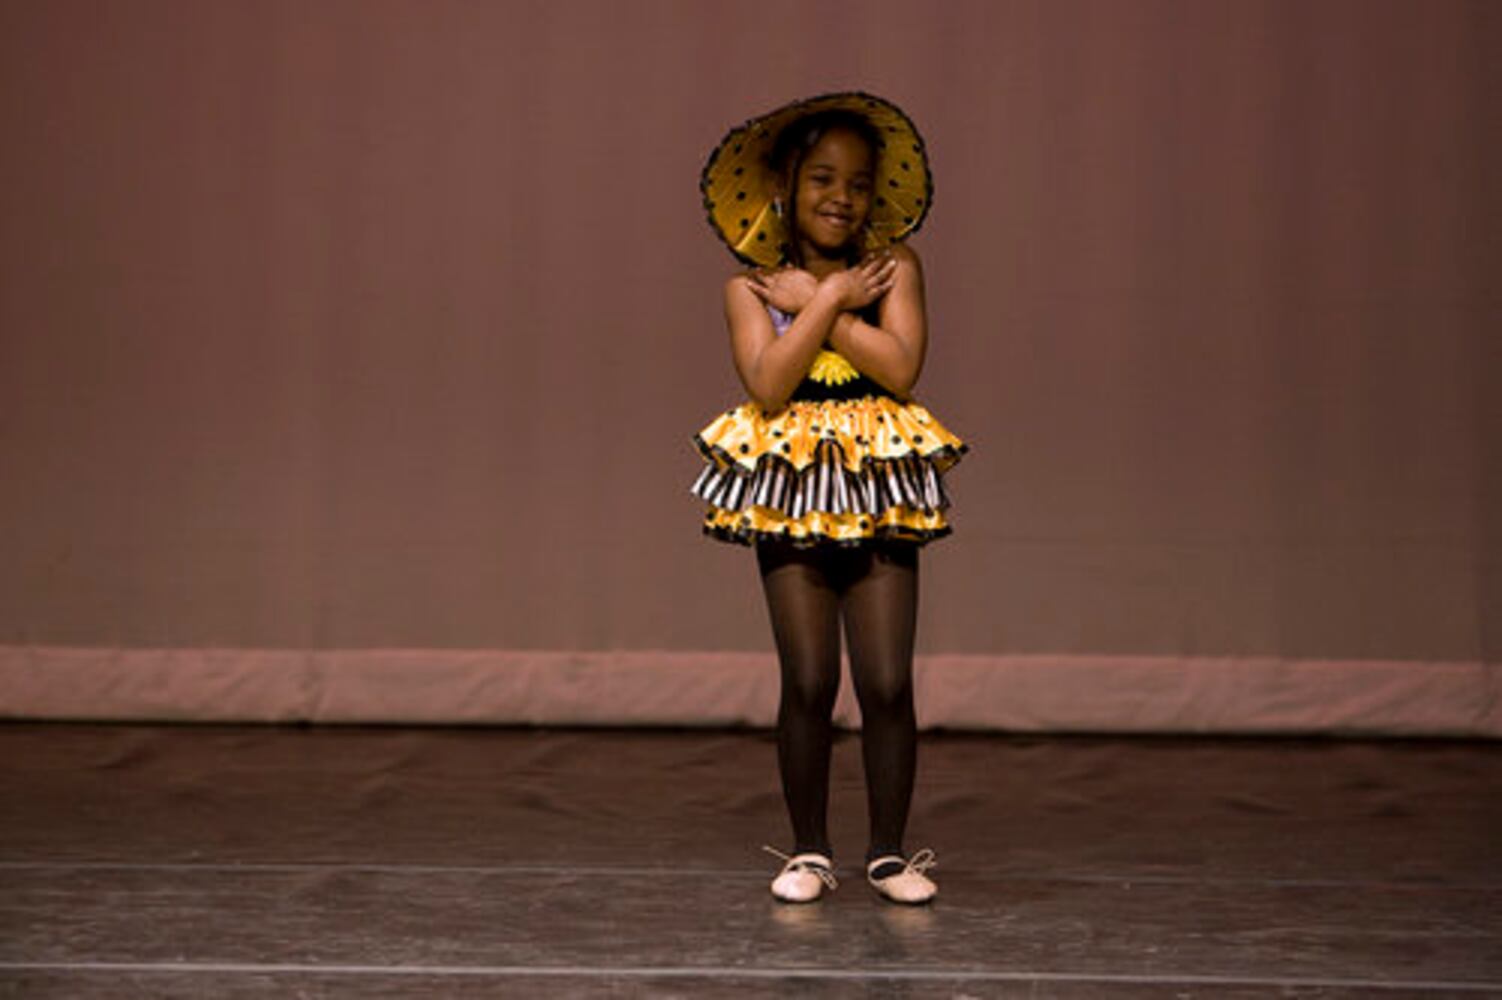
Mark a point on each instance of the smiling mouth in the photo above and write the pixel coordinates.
(835, 219)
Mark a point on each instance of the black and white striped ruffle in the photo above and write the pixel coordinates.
(826, 485)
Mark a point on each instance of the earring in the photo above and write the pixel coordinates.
(777, 207)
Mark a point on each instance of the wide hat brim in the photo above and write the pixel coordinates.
(738, 181)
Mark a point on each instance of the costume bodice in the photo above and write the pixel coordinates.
(832, 376)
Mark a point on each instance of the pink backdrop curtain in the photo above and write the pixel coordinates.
(350, 350)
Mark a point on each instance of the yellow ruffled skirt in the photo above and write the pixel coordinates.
(842, 471)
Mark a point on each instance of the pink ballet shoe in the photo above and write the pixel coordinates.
(911, 885)
(803, 877)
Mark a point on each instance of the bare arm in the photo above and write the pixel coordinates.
(771, 367)
(892, 353)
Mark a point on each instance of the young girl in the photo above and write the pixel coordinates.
(831, 471)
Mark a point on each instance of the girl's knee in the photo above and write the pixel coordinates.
(812, 690)
(888, 694)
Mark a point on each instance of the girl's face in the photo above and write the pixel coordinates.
(833, 193)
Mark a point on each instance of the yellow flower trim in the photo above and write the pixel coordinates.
(832, 369)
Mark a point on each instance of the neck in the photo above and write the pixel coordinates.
(820, 264)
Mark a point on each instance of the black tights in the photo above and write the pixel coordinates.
(875, 588)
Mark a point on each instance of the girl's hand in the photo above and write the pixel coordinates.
(864, 283)
(788, 289)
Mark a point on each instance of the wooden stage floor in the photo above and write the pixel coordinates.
(210, 862)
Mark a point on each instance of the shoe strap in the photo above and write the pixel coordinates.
(916, 865)
(809, 862)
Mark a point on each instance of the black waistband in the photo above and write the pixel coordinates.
(809, 391)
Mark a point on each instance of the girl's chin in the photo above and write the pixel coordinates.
(829, 249)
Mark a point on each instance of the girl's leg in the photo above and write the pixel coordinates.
(804, 608)
(881, 614)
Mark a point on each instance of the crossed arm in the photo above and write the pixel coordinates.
(890, 353)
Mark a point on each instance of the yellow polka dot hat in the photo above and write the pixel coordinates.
(739, 184)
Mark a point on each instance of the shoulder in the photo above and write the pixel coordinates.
(909, 276)
(738, 287)
(906, 256)
(902, 308)
(743, 307)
